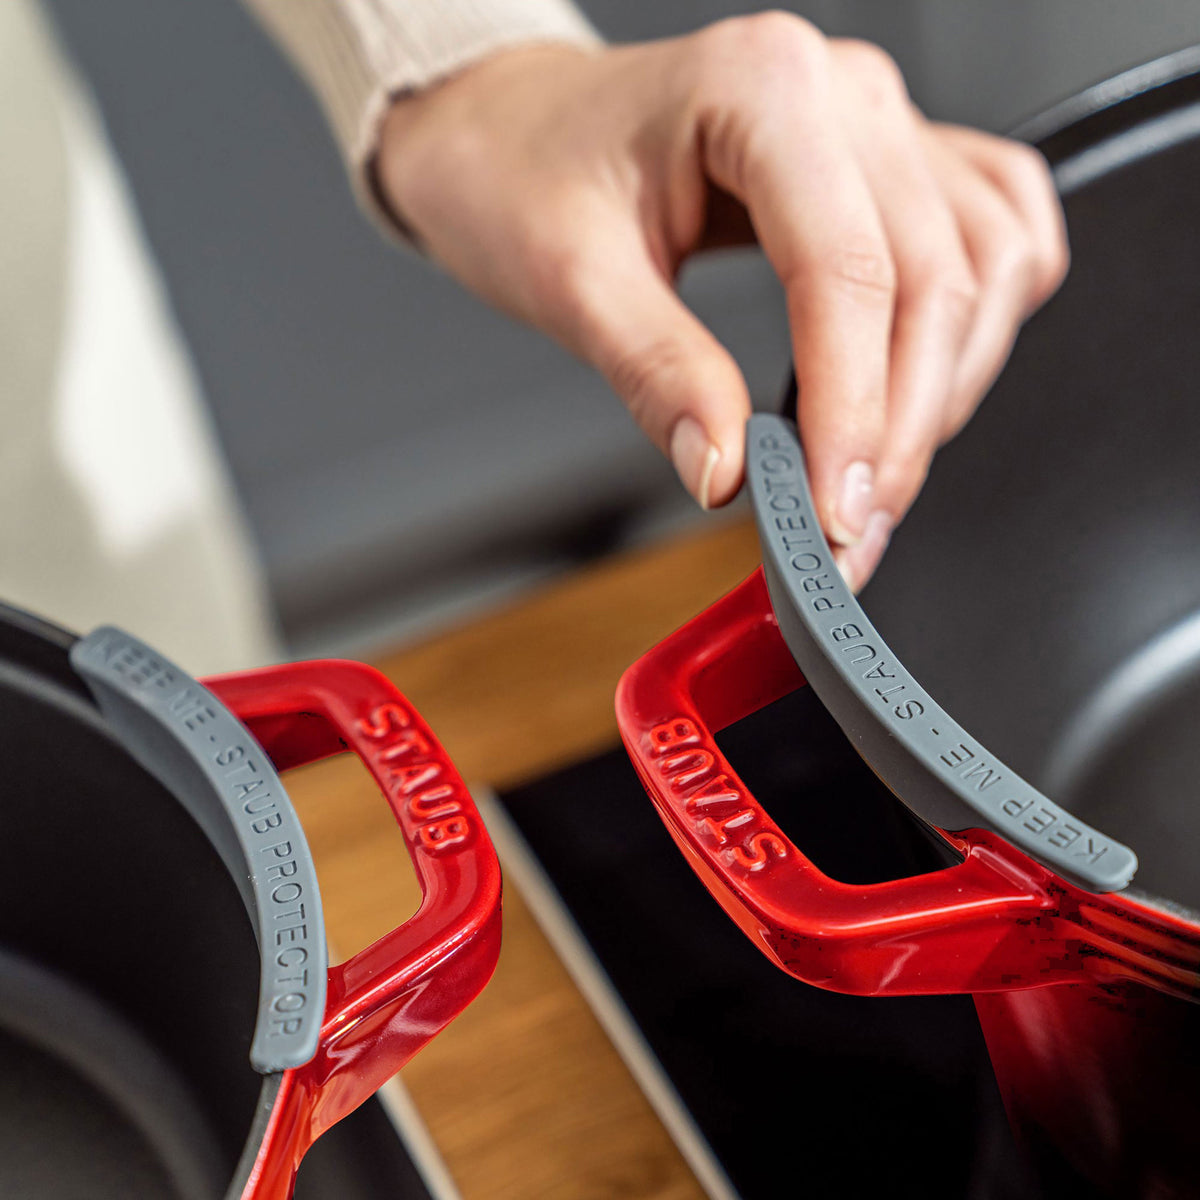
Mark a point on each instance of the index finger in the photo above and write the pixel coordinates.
(773, 139)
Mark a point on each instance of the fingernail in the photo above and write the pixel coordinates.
(854, 504)
(694, 457)
(858, 562)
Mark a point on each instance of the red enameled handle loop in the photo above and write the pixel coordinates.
(381, 1007)
(981, 925)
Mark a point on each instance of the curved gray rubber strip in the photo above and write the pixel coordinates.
(932, 764)
(192, 744)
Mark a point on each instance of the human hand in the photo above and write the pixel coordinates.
(566, 187)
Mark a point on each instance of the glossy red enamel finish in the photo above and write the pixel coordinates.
(997, 921)
(1101, 1078)
(1098, 1073)
(387, 1001)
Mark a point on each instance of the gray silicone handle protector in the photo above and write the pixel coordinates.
(931, 763)
(192, 744)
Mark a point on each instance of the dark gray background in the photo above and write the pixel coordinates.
(401, 450)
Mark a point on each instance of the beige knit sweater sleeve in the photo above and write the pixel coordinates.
(359, 54)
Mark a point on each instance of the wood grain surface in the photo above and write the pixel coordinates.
(523, 1094)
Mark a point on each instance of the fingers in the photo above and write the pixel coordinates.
(858, 562)
(1023, 177)
(937, 291)
(1003, 254)
(615, 308)
(566, 188)
(773, 138)
(908, 264)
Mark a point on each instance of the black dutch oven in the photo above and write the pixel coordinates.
(154, 1041)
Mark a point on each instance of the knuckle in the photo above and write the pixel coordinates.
(771, 39)
(1029, 173)
(1054, 263)
(1027, 166)
(865, 269)
(942, 283)
(1012, 262)
(956, 295)
(874, 69)
(638, 376)
(778, 27)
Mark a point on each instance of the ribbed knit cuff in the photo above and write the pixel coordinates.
(358, 55)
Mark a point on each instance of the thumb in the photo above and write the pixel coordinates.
(680, 384)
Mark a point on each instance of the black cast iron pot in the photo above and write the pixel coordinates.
(154, 1041)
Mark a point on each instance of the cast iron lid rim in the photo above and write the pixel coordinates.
(1112, 106)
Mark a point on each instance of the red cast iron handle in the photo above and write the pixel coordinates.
(387, 1001)
(992, 922)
